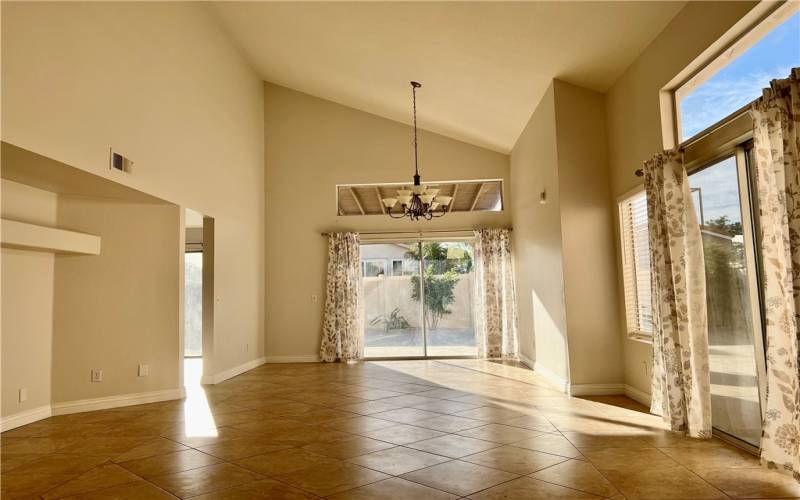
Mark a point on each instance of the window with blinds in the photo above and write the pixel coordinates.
(636, 265)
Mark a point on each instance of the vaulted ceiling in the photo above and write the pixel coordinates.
(484, 65)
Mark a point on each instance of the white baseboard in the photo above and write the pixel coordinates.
(232, 372)
(597, 389)
(25, 417)
(525, 360)
(551, 377)
(104, 403)
(637, 395)
(293, 359)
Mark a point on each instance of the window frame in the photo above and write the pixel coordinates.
(632, 331)
(364, 263)
(748, 36)
(395, 261)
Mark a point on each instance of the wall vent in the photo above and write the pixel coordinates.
(119, 162)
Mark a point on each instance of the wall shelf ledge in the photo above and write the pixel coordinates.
(26, 236)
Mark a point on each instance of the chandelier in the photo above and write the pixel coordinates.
(419, 202)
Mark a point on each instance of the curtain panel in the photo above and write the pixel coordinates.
(342, 335)
(680, 374)
(496, 320)
(776, 143)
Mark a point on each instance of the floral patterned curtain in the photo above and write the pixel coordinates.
(777, 162)
(496, 318)
(342, 335)
(681, 386)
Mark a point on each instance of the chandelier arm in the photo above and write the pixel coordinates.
(399, 216)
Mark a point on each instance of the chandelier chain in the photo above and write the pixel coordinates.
(414, 105)
(421, 201)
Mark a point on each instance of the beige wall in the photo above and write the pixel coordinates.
(312, 145)
(587, 232)
(27, 303)
(537, 242)
(170, 91)
(566, 284)
(634, 121)
(118, 309)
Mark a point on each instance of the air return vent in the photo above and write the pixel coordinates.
(120, 162)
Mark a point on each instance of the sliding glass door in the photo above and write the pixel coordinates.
(418, 299)
(734, 327)
(392, 318)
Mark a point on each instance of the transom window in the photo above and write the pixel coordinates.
(738, 76)
(467, 196)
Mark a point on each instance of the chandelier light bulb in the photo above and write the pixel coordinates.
(444, 200)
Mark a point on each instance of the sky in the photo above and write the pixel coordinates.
(742, 80)
(719, 188)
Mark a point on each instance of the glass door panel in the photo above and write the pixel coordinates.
(408, 317)
(730, 296)
(392, 316)
(448, 289)
(193, 304)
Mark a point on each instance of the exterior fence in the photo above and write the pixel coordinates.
(382, 295)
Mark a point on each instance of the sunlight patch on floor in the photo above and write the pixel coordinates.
(198, 419)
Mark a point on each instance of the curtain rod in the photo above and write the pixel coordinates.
(708, 131)
(420, 231)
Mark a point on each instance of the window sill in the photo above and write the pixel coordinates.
(641, 337)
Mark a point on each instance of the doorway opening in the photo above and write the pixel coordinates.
(418, 299)
(198, 296)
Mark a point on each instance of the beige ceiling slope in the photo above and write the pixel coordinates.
(484, 65)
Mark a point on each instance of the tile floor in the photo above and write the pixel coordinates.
(376, 430)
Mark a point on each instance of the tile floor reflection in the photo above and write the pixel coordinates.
(376, 430)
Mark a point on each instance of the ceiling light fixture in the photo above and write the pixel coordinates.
(419, 202)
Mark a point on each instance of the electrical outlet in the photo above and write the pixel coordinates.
(97, 375)
(23, 394)
(314, 298)
(144, 370)
(247, 347)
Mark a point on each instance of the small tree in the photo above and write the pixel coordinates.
(726, 280)
(441, 275)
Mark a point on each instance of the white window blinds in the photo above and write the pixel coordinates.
(636, 264)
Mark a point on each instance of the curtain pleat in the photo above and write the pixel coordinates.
(680, 374)
(776, 144)
(342, 335)
(496, 318)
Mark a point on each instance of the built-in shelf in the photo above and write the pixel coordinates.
(22, 235)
